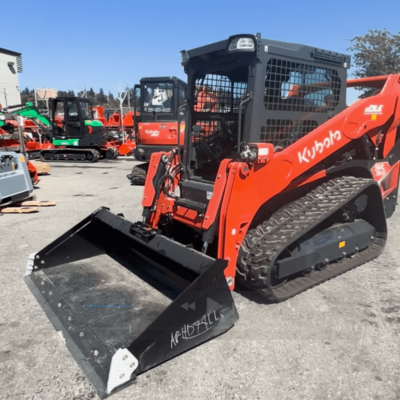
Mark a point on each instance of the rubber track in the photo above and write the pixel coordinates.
(95, 153)
(262, 245)
(138, 174)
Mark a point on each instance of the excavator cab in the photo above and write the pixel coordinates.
(160, 101)
(157, 128)
(74, 123)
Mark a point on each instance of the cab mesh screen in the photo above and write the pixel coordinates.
(292, 86)
(215, 95)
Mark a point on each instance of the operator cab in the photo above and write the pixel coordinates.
(156, 129)
(160, 98)
(69, 115)
(251, 90)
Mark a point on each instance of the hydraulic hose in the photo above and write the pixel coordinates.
(242, 103)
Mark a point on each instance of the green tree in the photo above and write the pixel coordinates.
(101, 97)
(112, 102)
(374, 54)
(27, 95)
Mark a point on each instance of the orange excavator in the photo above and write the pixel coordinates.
(156, 128)
(120, 134)
(11, 142)
(33, 126)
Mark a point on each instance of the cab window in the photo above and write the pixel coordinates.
(182, 94)
(86, 110)
(72, 111)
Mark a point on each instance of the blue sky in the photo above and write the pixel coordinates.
(99, 44)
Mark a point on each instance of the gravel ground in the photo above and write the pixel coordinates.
(339, 340)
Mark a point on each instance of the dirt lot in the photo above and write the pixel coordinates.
(340, 340)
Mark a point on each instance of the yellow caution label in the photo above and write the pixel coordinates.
(22, 158)
(342, 244)
(374, 116)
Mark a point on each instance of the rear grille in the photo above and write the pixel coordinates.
(331, 57)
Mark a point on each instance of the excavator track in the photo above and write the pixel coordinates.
(68, 154)
(263, 245)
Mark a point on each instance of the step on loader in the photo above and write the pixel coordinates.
(278, 188)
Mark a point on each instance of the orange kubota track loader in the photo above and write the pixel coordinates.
(278, 187)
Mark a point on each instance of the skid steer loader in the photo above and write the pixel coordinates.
(278, 187)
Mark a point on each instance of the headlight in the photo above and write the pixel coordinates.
(184, 57)
(242, 44)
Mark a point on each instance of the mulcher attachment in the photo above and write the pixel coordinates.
(114, 322)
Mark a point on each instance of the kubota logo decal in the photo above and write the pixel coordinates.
(309, 154)
(373, 109)
(152, 133)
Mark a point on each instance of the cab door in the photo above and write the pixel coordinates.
(136, 107)
(73, 125)
(58, 117)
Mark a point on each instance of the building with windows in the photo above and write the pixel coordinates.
(10, 67)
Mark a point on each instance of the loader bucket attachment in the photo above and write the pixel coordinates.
(125, 298)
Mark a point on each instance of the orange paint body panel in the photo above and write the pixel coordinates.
(159, 133)
(33, 173)
(240, 188)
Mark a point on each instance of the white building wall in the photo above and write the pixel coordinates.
(9, 86)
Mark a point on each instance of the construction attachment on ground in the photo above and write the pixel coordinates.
(117, 327)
